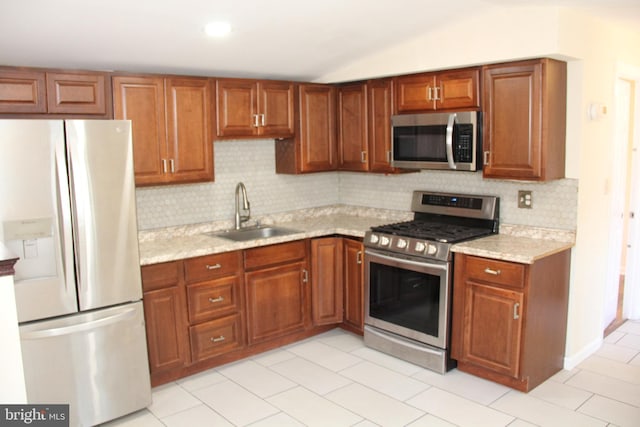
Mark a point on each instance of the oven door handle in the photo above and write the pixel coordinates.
(397, 262)
(449, 141)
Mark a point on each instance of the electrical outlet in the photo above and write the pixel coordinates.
(525, 199)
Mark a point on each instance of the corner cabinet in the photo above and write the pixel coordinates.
(445, 90)
(251, 108)
(353, 277)
(313, 148)
(524, 105)
(326, 280)
(55, 93)
(364, 126)
(172, 127)
(509, 319)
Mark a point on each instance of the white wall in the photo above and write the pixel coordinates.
(12, 386)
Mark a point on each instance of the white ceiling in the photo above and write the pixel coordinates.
(286, 39)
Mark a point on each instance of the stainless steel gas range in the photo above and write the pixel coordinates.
(408, 275)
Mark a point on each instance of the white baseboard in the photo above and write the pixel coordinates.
(571, 362)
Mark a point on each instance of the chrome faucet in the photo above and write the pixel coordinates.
(240, 188)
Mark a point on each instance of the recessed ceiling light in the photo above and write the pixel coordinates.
(217, 29)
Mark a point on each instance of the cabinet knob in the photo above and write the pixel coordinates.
(359, 257)
(516, 311)
(213, 267)
(215, 300)
(305, 276)
(217, 339)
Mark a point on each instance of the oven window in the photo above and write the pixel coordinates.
(405, 298)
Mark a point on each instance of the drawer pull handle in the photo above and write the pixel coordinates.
(516, 309)
(213, 267)
(493, 272)
(214, 300)
(218, 339)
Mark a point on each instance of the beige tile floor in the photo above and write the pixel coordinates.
(334, 380)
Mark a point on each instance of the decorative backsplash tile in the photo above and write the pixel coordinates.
(253, 163)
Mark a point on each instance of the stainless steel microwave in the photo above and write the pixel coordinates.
(450, 140)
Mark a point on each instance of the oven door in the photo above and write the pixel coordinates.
(407, 296)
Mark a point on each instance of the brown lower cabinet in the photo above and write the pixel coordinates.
(509, 319)
(206, 311)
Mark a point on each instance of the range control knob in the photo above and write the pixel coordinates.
(384, 241)
(374, 238)
(420, 247)
(432, 249)
(401, 243)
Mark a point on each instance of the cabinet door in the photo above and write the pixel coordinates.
(189, 135)
(353, 285)
(141, 100)
(275, 301)
(317, 128)
(166, 329)
(22, 91)
(380, 99)
(276, 109)
(326, 280)
(525, 120)
(352, 128)
(492, 328)
(415, 93)
(71, 93)
(236, 106)
(458, 89)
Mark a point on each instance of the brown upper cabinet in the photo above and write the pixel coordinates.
(36, 91)
(248, 108)
(313, 148)
(443, 90)
(524, 106)
(364, 126)
(172, 127)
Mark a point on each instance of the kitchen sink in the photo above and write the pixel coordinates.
(252, 233)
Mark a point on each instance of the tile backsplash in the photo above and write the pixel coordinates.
(253, 163)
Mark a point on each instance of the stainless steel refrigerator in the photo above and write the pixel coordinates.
(67, 209)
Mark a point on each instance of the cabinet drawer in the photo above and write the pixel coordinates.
(158, 276)
(275, 254)
(210, 299)
(494, 271)
(216, 337)
(211, 266)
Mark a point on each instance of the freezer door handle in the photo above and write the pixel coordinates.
(80, 327)
(64, 212)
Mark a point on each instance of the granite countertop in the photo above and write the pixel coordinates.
(190, 241)
(514, 243)
(519, 244)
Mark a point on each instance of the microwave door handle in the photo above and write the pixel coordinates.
(449, 141)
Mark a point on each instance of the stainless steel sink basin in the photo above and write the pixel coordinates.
(252, 233)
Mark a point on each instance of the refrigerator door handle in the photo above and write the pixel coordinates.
(80, 327)
(64, 212)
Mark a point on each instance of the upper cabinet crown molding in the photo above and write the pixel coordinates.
(56, 93)
(252, 108)
(524, 106)
(443, 90)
